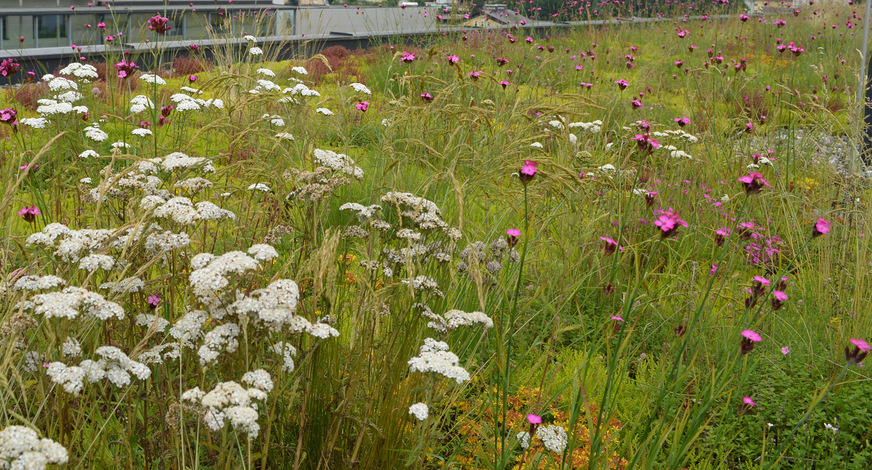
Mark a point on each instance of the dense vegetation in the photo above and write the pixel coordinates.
(622, 247)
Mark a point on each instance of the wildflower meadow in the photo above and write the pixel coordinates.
(616, 245)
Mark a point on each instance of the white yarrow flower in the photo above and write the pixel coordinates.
(419, 411)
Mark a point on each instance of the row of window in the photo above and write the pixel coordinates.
(27, 31)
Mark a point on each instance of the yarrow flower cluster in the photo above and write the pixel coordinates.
(21, 448)
(435, 357)
(231, 403)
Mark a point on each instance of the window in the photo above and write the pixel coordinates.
(51, 27)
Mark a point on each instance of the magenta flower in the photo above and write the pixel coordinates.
(159, 24)
(622, 84)
(636, 104)
(754, 183)
(9, 67)
(721, 234)
(7, 116)
(860, 351)
(192, 78)
(752, 335)
(453, 59)
(749, 337)
(504, 84)
(528, 171)
(29, 214)
(748, 401)
(126, 68)
(427, 97)
(610, 246)
(821, 227)
(785, 350)
(617, 319)
(502, 61)
(512, 236)
(744, 17)
(646, 143)
(153, 300)
(407, 57)
(668, 223)
(362, 106)
(778, 299)
(682, 121)
(475, 74)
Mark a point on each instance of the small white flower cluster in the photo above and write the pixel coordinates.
(287, 351)
(337, 162)
(152, 78)
(72, 301)
(285, 136)
(80, 70)
(188, 329)
(71, 97)
(71, 347)
(95, 133)
(266, 85)
(454, 319)
(300, 89)
(141, 132)
(274, 119)
(552, 437)
(113, 365)
(140, 103)
(22, 449)
(36, 123)
(194, 185)
(267, 72)
(188, 103)
(181, 210)
(148, 320)
(435, 357)
(231, 402)
(49, 107)
(207, 281)
(424, 213)
(255, 51)
(221, 338)
(360, 88)
(424, 283)
(300, 70)
(524, 439)
(593, 127)
(262, 187)
(92, 263)
(364, 213)
(324, 111)
(179, 161)
(61, 83)
(408, 234)
(419, 411)
(263, 252)
(188, 89)
(164, 242)
(32, 283)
